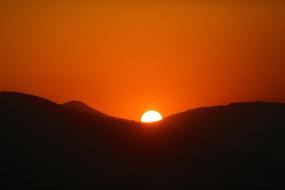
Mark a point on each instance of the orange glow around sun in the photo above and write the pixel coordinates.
(151, 116)
(142, 55)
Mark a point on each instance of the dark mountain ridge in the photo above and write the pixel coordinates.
(80, 106)
(45, 145)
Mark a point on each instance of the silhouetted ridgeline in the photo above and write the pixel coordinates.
(80, 106)
(45, 145)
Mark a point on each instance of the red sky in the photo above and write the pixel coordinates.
(125, 58)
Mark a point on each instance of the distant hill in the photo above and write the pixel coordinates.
(45, 145)
(80, 106)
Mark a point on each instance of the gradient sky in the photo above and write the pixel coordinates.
(125, 58)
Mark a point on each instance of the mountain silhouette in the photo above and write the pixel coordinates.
(82, 107)
(45, 145)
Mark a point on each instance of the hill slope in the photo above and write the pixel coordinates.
(80, 106)
(48, 146)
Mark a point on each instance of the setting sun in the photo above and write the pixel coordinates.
(151, 116)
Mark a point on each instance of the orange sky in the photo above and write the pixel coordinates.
(125, 58)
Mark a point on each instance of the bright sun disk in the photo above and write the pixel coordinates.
(151, 116)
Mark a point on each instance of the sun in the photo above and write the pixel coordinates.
(151, 116)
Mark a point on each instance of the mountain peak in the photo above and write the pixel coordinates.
(82, 107)
(75, 103)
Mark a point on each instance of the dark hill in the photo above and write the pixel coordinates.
(80, 106)
(45, 145)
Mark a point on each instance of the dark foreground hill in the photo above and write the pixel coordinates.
(81, 107)
(50, 146)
